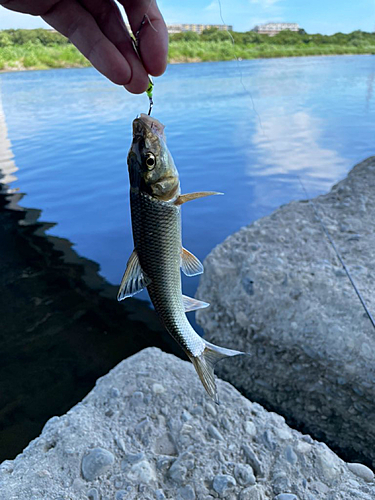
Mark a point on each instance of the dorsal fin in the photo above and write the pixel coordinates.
(183, 198)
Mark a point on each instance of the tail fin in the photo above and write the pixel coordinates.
(204, 364)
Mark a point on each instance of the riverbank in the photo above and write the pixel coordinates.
(40, 57)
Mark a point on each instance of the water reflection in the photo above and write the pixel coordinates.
(292, 142)
(370, 89)
(7, 165)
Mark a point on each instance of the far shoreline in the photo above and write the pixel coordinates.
(185, 61)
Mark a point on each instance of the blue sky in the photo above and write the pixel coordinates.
(316, 16)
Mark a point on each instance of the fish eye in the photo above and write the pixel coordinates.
(150, 161)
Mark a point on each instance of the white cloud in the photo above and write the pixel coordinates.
(264, 3)
(213, 6)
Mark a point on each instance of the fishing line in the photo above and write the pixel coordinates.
(310, 201)
(247, 91)
(135, 42)
(330, 239)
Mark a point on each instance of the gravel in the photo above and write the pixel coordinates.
(126, 441)
(278, 292)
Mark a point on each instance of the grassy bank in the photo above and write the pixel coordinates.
(225, 51)
(31, 56)
(41, 49)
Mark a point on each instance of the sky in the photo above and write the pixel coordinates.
(315, 16)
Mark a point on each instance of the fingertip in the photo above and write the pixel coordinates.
(138, 83)
(154, 47)
(112, 65)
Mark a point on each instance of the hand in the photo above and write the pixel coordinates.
(97, 29)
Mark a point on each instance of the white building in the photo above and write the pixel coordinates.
(197, 28)
(272, 29)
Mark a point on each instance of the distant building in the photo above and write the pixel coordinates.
(197, 28)
(272, 29)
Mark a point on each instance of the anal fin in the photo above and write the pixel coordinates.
(190, 264)
(134, 279)
(193, 304)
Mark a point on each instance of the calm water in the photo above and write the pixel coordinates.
(71, 129)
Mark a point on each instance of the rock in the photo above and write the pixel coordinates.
(96, 462)
(244, 474)
(240, 466)
(165, 445)
(250, 429)
(286, 496)
(178, 472)
(121, 495)
(290, 455)
(222, 483)
(213, 432)
(252, 460)
(93, 494)
(311, 346)
(158, 388)
(187, 493)
(251, 493)
(131, 458)
(142, 472)
(159, 495)
(362, 471)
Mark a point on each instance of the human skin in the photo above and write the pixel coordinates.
(97, 29)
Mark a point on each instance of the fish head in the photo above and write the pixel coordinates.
(151, 166)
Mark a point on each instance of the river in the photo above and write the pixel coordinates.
(251, 129)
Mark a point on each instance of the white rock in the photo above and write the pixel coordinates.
(312, 348)
(250, 428)
(362, 471)
(142, 472)
(199, 464)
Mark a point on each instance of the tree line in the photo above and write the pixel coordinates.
(357, 38)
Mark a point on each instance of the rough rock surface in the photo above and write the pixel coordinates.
(278, 291)
(148, 431)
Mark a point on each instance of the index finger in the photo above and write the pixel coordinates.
(153, 37)
(71, 19)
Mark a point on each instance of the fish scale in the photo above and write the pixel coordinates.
(156, 229)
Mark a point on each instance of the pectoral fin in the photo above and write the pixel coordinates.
(193, 304)
(134, 279)
(190, 265)
(183, 198)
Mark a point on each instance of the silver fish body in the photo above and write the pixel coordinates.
(158, 254)
(157, 239)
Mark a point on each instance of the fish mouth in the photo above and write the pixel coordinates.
(147, 123)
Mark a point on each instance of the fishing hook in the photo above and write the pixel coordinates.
(135, 42)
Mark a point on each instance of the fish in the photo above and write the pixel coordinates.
(158, 255)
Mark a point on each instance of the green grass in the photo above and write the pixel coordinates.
(37, 56)
(41, 49)
(223, 51)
